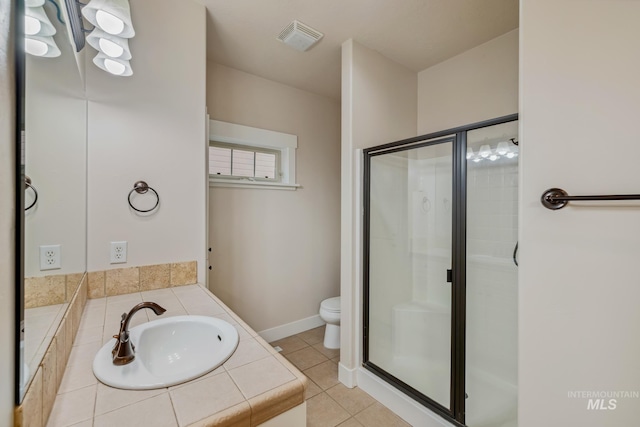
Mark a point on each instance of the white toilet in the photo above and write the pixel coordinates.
(330, 313)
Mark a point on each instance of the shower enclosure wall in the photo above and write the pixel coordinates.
(440, 273)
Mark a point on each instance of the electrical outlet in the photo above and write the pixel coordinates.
(50, 257)
(118, 252)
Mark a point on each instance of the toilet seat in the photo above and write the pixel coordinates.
(331, 305)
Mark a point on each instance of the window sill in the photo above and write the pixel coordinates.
(245, 183)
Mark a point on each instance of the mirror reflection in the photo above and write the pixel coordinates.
(55, 158)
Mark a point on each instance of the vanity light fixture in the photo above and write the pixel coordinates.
(38, 31)
(111, 16)
(112, 29)
(37, 23)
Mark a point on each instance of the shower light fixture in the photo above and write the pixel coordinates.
(485, 151)
(503, 149)
(470, 153)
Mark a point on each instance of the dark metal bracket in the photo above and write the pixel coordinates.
(557, 198)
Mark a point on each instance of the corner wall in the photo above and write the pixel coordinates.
(477, 85)
(7, 212)
(379, 99)
(151, 127)
(579, 323)
(276, 248)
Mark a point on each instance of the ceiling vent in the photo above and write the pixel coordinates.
(299, 36)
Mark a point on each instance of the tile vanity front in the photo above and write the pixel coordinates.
(253, 386)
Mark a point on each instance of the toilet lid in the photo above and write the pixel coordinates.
(331, 304)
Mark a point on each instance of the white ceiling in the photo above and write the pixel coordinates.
(415, 33)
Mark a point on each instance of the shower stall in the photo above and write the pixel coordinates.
(440, 270)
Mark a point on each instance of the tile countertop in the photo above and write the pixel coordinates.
(254, 385)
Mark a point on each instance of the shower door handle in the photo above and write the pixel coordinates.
(449, 276)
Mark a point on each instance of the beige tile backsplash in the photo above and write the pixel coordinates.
(50, 290)
(47, 290)
(155, 277)
(122, 281)
(129, 280)
(39, 399)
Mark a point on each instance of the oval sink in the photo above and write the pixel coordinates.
(168, 352)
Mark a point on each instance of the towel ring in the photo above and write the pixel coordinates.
(27, 185)
(142, 187)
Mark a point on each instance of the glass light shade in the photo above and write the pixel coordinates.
(494, 157)
(35, 47)
(485, 151)
(111, 16)
(110, 48)
(31, 26)
(109, 23)
(38, 13)
(34, 3)
(503, 148)
(114, 67)
(41, 46)
(511, 155)
(470, 153)
(477, 159)
(110, 45)
(117, 67)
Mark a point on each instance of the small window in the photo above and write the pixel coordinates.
(247, 157)
(243, 162)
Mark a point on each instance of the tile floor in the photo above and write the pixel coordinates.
(329, 402)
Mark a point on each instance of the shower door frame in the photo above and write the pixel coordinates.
(458, 136)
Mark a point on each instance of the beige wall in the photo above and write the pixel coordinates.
(479, 84)
(379, 99)
(579, 288)
(151, 127)
(7, 213)
(275, 253)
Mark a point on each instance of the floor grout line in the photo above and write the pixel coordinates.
(322, 391)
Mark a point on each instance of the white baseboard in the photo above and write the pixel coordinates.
(405, 407)
(347, 376)
(288, 329)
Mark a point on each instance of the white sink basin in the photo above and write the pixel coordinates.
(168, 352)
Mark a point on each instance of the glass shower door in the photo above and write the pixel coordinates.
(492, 276)
(408, 298)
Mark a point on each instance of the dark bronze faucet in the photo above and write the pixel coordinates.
(124, 350)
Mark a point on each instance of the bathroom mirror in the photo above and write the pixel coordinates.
(54, 254)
